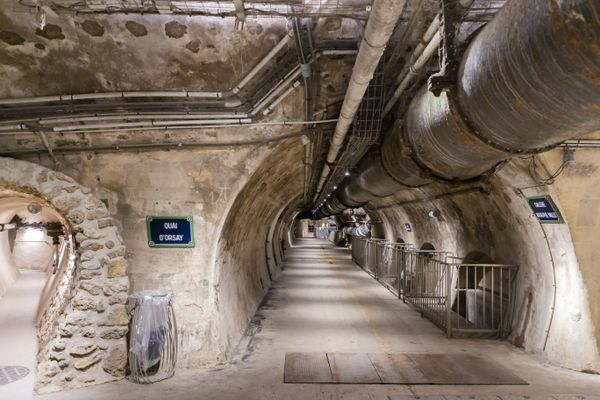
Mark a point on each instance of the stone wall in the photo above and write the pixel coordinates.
(89, 323)
(200, 183)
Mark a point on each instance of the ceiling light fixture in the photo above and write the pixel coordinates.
(34, 208)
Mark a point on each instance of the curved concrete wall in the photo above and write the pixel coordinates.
(502, 225)
(244, 275)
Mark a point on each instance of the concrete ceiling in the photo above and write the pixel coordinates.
(110, 50)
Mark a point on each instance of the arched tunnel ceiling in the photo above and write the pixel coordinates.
(101, 53)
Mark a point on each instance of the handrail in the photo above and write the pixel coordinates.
(461, 298)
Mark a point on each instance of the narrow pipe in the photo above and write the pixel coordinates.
(18, 126)
(166, 127)
(161, 146)
(281, 98)
(284, 83)
(282, 43)
(141, 94)
(411, 72)
(48, 147)
(382, 21)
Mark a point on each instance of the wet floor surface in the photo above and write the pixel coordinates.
(323, 302)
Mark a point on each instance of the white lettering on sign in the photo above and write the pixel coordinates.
(539, 204)
(172, 238)
(547, 215)
(170, 225)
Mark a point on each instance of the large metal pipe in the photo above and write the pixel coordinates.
(527, 82)
(382, 21)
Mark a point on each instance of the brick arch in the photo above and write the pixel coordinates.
(86, 344)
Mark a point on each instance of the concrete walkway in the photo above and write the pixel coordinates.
(18, 341)
(324, 303)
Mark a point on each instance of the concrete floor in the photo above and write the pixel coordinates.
(18, 342)
(323, 302)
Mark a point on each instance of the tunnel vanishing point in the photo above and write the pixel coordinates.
(300, 199)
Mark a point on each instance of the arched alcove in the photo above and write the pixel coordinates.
(84, 339)
(427, 246)
(482, 290)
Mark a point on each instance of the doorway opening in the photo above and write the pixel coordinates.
(37, 262)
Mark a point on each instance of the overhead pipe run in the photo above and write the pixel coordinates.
(382, 21)
(529, 81)
(141, 94)
(363, 230)
(163, 146)
(152, 121)
(422, 53)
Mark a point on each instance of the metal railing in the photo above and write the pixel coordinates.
(483, 296)
(463, 299)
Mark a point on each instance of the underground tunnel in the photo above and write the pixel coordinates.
(300, 199)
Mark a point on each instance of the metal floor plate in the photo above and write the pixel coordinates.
(352, 367)
(464, 369)
(394, 368)
(10, 374)
(307, 367)
(409, 368)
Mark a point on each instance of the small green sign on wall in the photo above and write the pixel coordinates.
(166, 231)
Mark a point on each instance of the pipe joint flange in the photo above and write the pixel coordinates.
(454, 105)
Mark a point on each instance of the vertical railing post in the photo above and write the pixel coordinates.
(449, 272)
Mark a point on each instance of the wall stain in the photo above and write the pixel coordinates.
(520, 339)
(93, 28)
(51, 32)
(175, 30)
(136, 29)
(11, 38)
(193, 45)
(254, 29)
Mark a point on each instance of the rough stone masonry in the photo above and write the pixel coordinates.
(82, 336)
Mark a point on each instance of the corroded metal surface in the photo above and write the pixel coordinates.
(307, 367)
(393, 368)
(352, 367)
(530, 79)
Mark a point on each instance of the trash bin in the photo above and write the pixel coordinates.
(152, 337)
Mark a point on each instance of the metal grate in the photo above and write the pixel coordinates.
(10, 374)
(366, 130)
